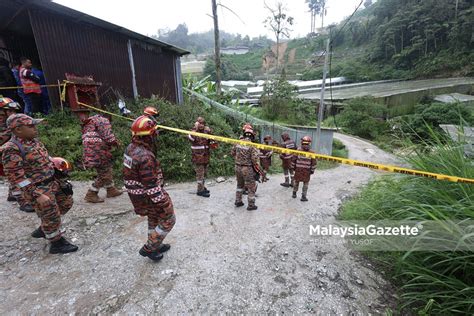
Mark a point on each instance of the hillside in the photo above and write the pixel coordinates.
(390, 39)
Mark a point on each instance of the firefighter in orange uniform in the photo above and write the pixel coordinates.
(266, 156)
(201, 154)
(304, 167)
(286, 160)
(144, 183)
(98, 141)
(247, 170)
(8, 107)
(28, 166)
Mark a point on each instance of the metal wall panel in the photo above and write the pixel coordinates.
(155, 71)
(74, 46)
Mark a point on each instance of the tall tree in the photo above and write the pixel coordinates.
(323, 10)
(279, 23)
(217, 48)
(315, 8)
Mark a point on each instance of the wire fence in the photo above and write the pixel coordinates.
(269, 128)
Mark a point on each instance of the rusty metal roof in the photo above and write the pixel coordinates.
(10, 8)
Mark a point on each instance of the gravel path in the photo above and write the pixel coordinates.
(222, 259)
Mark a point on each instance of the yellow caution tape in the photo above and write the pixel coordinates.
(41, 86)
(357, 163)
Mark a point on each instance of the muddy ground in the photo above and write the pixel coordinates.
(223, 259)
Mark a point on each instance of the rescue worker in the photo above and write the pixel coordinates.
(28, 166)
(98, 140)
(286, 160)
(266, 156)
(7, 108)
(200, 148)
(304, 167)
(144, 183)
(31, 86)
(246, 169)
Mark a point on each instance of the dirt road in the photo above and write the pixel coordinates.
(222, 258)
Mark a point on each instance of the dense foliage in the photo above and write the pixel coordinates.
(431, 282)
(280, 103)
(363, 117)
(428, 117)
(62, 137)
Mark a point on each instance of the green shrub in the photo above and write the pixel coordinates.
(280, 103)
(62, 137)
(363, 117)
(440, 282)
(429, 116)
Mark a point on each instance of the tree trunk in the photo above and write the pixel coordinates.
(426, 43)
(402, 44)
(217, 48)
(278, 54)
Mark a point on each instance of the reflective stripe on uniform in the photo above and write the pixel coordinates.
(53, 234)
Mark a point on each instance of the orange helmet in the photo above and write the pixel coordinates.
(306, 140)
(9, 104)
(61, 164)
(143, 126)
(151, 110)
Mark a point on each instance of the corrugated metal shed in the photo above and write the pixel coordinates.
(65, 46)
(69, 41)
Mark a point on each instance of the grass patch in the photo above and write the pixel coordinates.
(430, 282)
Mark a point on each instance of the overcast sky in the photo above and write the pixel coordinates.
(147, 16)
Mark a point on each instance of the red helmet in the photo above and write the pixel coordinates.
(61, 164)
(143, 126)
(151, 110)
(306, 140)
(9, 104)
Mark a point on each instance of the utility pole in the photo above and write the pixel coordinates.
(321, 100)
(217, 47)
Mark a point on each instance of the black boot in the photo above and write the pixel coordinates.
(294, 195)
(153, 255)
(11, 198)
(38, 233)
(203, 193)
(252, 208)
(239, 204)
(164, 248)
(206, 190)
(303, 198)
(285, 184)
(27, 208)
(62, 246)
